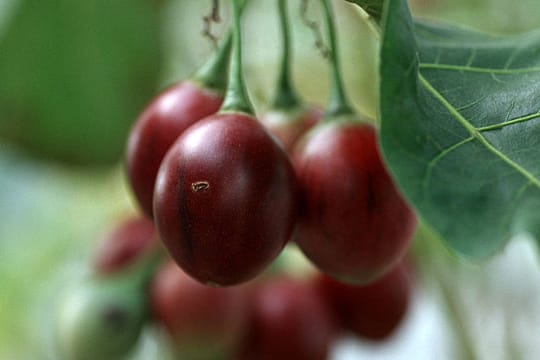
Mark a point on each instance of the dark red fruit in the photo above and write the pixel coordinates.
(289, 126)
(128, 242)
(225, 199)
(354, 224)
(156, 129)
(201, 321)
(373, 311)
(288, 320)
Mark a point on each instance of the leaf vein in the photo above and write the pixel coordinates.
(477, 134)
(503, 71)
(471, 104)
(433, 162)
(510, 122)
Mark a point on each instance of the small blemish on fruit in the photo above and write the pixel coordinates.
(200, 186)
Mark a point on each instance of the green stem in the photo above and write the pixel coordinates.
(213, 74)
(285, 97)
(236, 98)
(338, 103)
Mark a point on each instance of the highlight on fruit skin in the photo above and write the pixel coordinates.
(229, 230)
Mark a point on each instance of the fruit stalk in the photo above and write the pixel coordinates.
(236, 97)
(338, 103)
(285, 97)
(213, 74)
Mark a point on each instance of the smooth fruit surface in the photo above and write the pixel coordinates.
(225, 199)
(157, 128)
(354, 224)
(200, 320)
(373, 311)
(126, 243)
(289, 126)
(288, 320)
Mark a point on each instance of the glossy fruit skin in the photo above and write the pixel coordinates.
(354, 224)
(289, 126)
(200, 320)
(126, 243)
(373, 311)
(288, 320)
(225, 199)
(157, 128)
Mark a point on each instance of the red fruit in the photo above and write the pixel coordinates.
(129, 241)
(225, 199)
(289, 126)
(157, 128)
(373, 311)
(201, 321)
(288, 321)
(354, 224)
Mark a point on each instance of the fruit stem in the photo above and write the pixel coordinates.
(236, 98)
(285, 97)
(338, 103)
(213, 74)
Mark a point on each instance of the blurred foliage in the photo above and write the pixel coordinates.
(50, 220)
(495, 16)
(75, 74)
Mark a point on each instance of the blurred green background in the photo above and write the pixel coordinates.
(73, 77)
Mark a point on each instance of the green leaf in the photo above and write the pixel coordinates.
(373, 7)
(75, 74)
(460, 131)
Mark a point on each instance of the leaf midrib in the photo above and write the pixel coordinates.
(476, 133)
(479, 69)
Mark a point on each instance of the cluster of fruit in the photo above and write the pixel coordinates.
(274, 317)
(227, 192)
(226, 195)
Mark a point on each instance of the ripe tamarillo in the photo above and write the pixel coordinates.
(373, 311)
(225, 199)
(202, 322)
(354, 224)
(156, 129)
(288, 319)
(129, 241)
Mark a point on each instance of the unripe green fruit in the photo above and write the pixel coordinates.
(101, 319)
